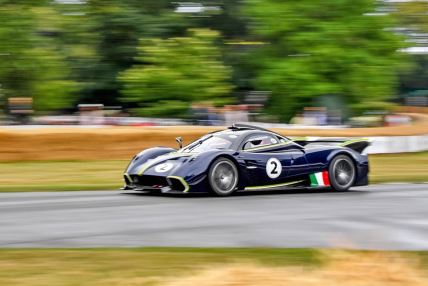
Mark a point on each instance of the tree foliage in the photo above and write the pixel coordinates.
(412, 19)
(154, 61)
(31, 64)
(176, 72)
(102, 39)
(412, 14)
(316, 48)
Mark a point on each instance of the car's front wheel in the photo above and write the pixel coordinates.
(342, 173)
(223, 177)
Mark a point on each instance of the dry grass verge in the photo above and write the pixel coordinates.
(210, 267)
(341, 268)
(119, 143)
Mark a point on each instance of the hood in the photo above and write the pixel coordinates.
(163, 165)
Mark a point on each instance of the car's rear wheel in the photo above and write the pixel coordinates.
(342, 173)
(223, 177)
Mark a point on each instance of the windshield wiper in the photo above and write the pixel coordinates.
(196, 144)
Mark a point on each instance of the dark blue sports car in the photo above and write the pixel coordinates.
(245, 157)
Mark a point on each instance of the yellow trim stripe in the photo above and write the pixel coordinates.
(272, 186)
(128, 176)
(346, 143)
(185, 184)
(299, 138)
(144, 167)
(268, 146)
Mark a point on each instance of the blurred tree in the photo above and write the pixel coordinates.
(102, 38)
(417, 77)
(225, 16)
(413, 22)
(238, 42)
(177, 71)
(318, 48)
(30, 64)
(17, 71)
(54, 89)
(62, 52)
(412, 14)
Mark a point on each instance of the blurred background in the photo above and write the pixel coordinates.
(86, 84)
(101, 80)
(212, 62)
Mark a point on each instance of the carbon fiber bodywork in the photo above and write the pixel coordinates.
(178, 171)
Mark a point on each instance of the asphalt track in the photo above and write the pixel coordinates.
(392, 216)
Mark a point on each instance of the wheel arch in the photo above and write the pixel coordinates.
(348, 153)
(345, 152)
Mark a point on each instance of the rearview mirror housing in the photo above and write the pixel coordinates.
(179, 141)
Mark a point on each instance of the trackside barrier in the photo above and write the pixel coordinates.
(391, 144)
(398, 144)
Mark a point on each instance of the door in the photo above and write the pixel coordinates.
(270, 159)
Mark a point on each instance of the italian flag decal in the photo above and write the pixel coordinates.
(320, 179)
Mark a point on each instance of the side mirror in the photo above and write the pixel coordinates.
(179, 141)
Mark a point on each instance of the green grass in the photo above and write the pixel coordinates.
(126, 266)
(107, 174)
(154, 266)
(405, 167)
(61, 176)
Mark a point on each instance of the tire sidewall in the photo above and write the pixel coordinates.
(334, 185)
(212, 186)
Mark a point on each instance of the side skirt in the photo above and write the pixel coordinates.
(312, 181)
(302, 183)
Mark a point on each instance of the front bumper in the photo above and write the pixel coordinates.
(169, 184)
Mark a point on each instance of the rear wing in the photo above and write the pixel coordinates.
(358, 145)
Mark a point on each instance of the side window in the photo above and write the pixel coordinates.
(261, 140)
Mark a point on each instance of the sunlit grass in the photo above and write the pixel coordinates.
(58, 176)
(130, 266)
(210, 267)
(408, 167)
(107, 174)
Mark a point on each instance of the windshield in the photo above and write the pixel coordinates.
(205, 144)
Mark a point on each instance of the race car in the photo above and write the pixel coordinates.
(244, 158)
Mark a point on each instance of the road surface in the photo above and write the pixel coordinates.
(391, 216)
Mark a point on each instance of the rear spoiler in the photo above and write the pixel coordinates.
(358, 145)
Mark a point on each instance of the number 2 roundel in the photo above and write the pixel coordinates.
(273, 168)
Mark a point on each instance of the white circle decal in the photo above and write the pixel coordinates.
(273, 168)
(165, 167)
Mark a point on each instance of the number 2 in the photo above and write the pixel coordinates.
(275, 165)
(273, 168)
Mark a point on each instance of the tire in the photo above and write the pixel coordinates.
(223, 177)
(342, 173)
